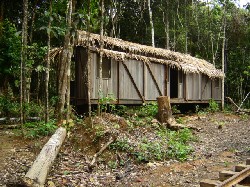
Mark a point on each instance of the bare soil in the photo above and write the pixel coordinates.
(222, 142)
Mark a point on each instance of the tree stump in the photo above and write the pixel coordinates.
(164, 109)
(38, 172)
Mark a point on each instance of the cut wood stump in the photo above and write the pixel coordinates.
(165, 115)
(164, 109)
(38, 172)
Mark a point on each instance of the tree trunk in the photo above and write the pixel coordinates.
(89, 59)
(186, 29)
(164, 109)
(223, 58)
(165, 19)
(101, 56)
(47, 69)
(69, 67)
(151, 24)
(37, 174)
(23, 60)
(63, 72)
(33, 21)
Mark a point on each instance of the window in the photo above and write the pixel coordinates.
(106, 67)
(216, 83)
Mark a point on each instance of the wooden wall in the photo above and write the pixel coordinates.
(216, 89)
(135, 82)
(109, 86)
(206, 87)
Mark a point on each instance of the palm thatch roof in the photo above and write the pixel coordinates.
(121, 50)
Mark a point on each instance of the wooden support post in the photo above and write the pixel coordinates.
(38, 172)
(164, 109)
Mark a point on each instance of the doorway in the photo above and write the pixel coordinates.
(173, 83)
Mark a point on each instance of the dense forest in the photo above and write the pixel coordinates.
(215, 30)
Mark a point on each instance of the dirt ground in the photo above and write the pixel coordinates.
(222, 142)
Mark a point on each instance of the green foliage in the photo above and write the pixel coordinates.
(9, 106)
(112, 164)
(33, 109)
(37, 129)
(146, 110)
(106, 103)
(213, 106)
(175, 109)
(177, 143)
(10, 48)
(120, 110)
(121, 145)
(150, 150)
(150, 109)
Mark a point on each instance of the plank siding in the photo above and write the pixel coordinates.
(206, 88)
(193, 88)
(216, 89)
(109, 85)
(158, 71)
(133, 82)
(128, 90)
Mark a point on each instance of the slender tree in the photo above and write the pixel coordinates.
(23, 97)
(63, 72)
(48, 67)
(101, 57)
(151, 24)
(89, 58)
(223, 55)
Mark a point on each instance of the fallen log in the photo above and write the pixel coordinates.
(38, 172)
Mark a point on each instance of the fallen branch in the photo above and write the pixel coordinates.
(232, 102)
(111, 140)
(238, 109)
(38, 172)
(9, 126)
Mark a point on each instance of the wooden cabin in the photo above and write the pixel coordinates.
(135, 74)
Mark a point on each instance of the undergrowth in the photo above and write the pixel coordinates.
(168, 145)
(37, 129)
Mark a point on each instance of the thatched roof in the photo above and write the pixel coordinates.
(121, 50)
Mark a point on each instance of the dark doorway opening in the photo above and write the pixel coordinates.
(173, 83)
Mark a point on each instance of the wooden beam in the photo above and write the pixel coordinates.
(154, 79)
(236, 178)
(133, 81)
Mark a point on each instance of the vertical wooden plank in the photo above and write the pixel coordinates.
(118, 82)
(165, 80)
(144, 80)
(153, 78)
(199, 87)
(184, 86)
